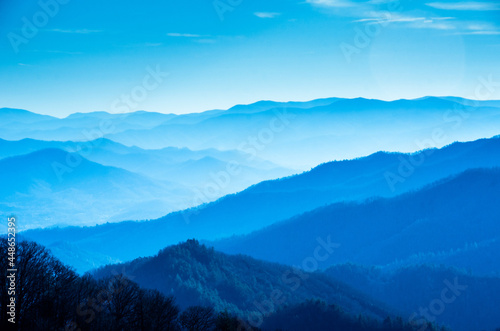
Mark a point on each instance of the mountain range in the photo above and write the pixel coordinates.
(197, 275)
(270, 202)
(54, 187)
(296, 135)
(441, 218)
(417, 291)
(183, 166)
(255, 290)
(302, 213)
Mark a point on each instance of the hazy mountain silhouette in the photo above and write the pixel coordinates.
(52, 186)
(478, 257)
(181, 165)
(345, 128)
(11, 116)
(290, 134)
(266, 105)
(471, 301)
(362, 235)
(272, 201)
(18, 124)
(446, 216)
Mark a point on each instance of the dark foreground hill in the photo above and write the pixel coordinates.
(443, 295)
(197, 275)
(50, 296)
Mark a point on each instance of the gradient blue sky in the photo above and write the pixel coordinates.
(92, 52)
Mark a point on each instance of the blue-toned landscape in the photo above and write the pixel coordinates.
(229, 165)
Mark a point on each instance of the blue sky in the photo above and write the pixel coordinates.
(87, 55)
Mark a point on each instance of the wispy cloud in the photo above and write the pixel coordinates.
(480, 28)
(381, 2)
(184, 35)
(482, 33)
(266, 14)
(77, 31)
(152, 44)
(198, 38)
(442, 18)
(390, 19)
(436, 23)
(465, 5)
(461, 27)
(431, 24)
(409, 21)
(374, 12)
(332, 3)
(206, 41)
(139, 45)
(55, 51)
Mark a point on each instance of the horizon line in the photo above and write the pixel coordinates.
(252, 103)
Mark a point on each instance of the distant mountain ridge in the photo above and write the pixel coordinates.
(306, 134)
(371, 234)
(441, 217)
(472, 300)
(191, 169)
(53, 182)
(273, 201)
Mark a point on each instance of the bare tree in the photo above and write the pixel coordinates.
(154, 311)
(122, 295)
(44, 287)
(198, 318)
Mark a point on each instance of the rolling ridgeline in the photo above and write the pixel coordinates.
(396, 229)
(266, 206)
